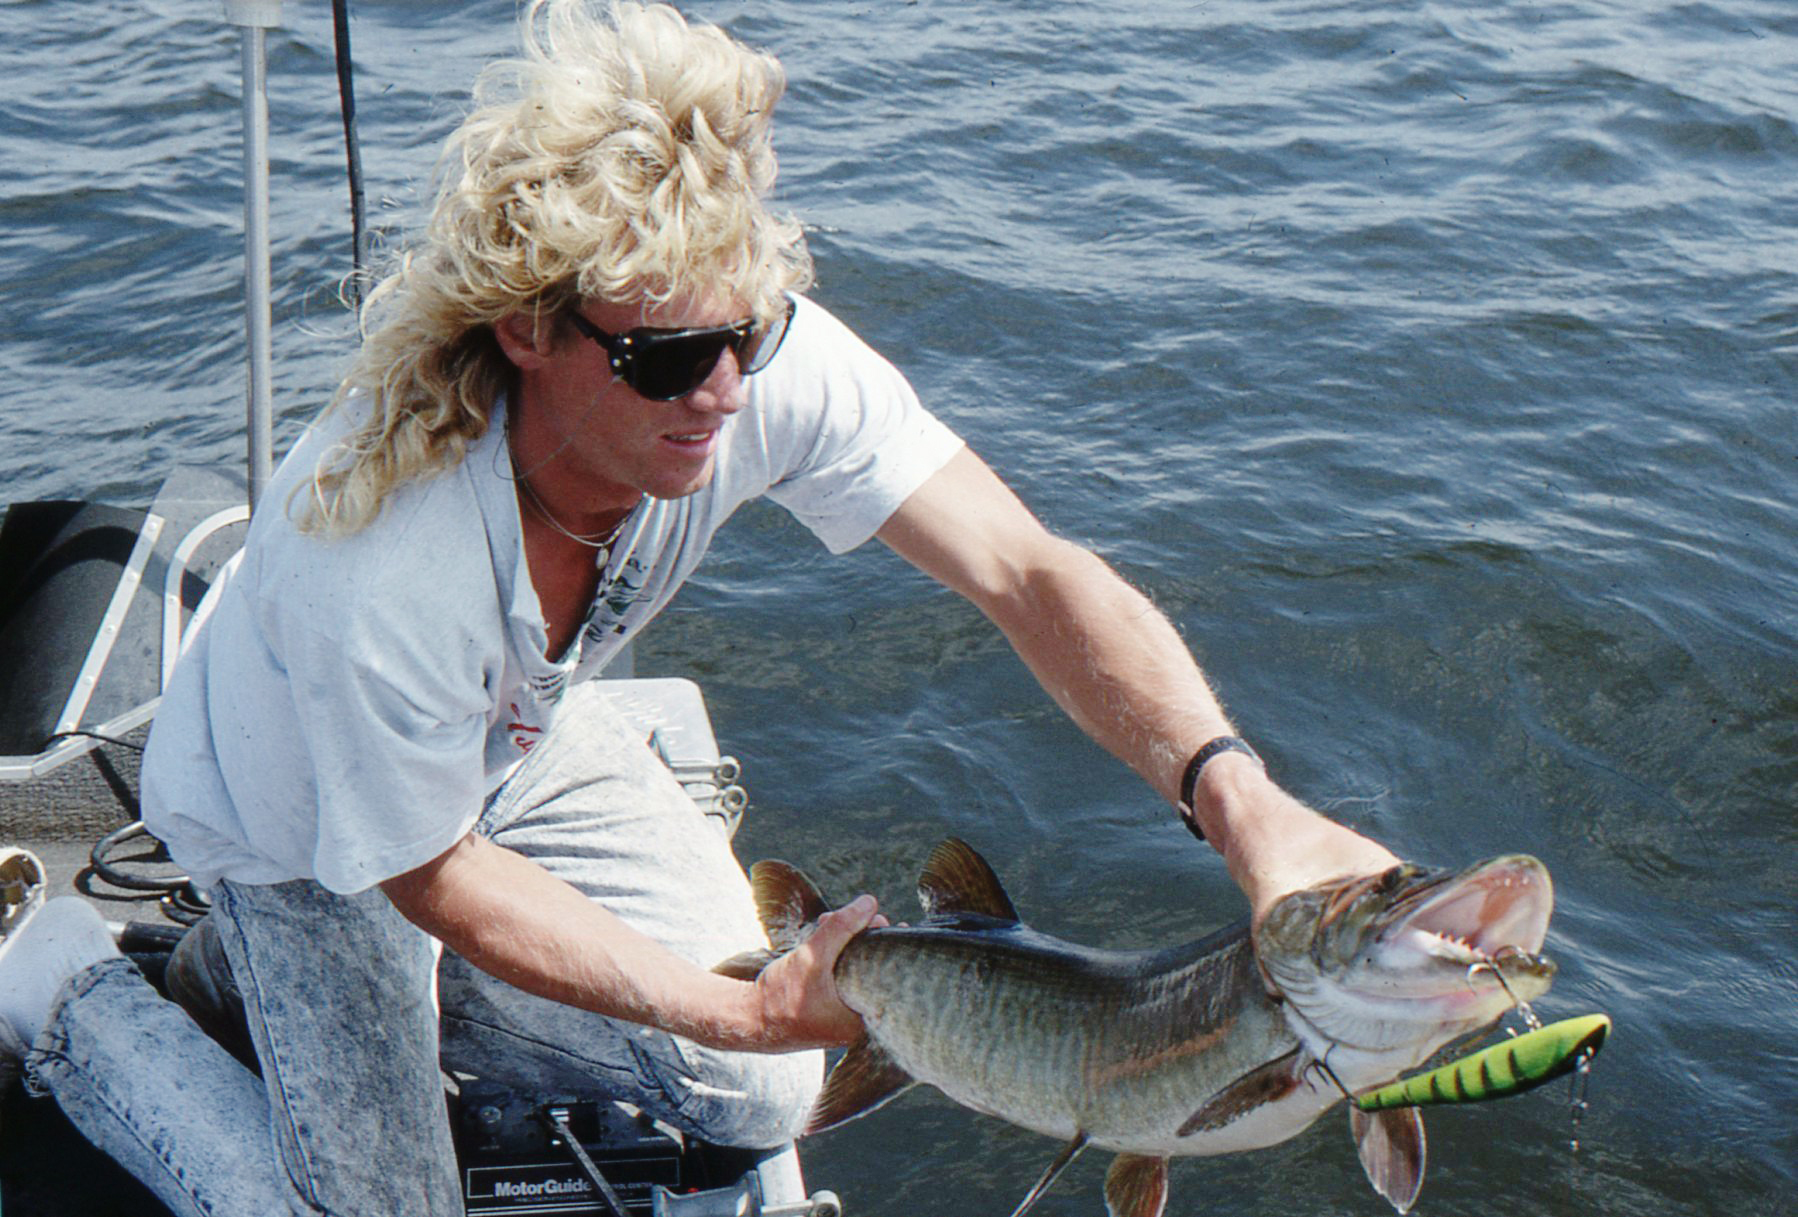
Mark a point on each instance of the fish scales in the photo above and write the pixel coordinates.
(1192, 1025)
(1120, 1045)
(978, 1015)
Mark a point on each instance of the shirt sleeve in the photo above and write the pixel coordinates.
(848, 438)
(396, 781)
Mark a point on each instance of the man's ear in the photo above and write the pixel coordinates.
(525, 338)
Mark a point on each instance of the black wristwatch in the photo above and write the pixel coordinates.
(1189, 781)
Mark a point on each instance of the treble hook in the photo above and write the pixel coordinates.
(1323, 1063)
(1490, 964)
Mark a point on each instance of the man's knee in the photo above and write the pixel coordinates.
(751, 1099)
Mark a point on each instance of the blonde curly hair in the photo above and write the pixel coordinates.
(626, 157)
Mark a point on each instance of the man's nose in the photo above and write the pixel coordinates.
(724, 391)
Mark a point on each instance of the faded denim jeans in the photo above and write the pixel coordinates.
(349, 1116)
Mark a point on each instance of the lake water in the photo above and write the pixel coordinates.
(1430, 364)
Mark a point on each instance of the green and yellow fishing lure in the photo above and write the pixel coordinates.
(1518, 1064)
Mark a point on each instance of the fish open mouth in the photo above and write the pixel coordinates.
(1398, 964)
(1496, 909)
(1470, 937)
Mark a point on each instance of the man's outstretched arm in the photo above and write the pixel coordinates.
(1119, 669)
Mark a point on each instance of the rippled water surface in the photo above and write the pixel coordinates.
(1430, 364)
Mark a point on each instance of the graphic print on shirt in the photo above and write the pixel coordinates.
(617, 598)
(549, 686)
(524, 735)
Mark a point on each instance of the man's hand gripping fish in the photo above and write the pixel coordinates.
(1181, 1051)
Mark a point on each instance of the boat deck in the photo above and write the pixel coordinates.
(94, 603)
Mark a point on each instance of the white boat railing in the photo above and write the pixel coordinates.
(256, 18)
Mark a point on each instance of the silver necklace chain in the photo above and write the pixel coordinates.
(597, 540)
(601, 542)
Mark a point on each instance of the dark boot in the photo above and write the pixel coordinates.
(199, 980)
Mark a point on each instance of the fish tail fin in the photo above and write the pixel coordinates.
(788, 904)
(746, 966)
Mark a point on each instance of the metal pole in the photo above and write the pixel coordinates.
(256, 17)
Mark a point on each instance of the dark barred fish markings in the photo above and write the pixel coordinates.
(1180, 1051)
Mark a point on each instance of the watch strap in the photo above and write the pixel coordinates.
(1189, 781)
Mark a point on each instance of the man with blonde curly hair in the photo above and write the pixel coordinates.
(383, 737)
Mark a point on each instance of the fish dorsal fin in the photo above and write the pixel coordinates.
(787, 902)
(1267, 1084)
(1136, 1186)
(1391, 1147)
(865, 1078)
(958, 880)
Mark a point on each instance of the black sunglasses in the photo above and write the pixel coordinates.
(665, 364)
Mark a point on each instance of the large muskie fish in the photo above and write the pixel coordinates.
(1182, 1051)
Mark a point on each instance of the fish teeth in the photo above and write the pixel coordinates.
(1460, 949)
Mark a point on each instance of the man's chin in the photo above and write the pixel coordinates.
(681, 486)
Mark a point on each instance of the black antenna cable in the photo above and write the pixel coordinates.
(346, 92)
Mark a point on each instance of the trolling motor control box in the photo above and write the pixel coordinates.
(514, 1161)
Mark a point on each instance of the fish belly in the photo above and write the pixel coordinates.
(1264, 1125)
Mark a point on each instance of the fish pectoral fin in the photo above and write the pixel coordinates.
(787, 902)
(1136, 1186)
(1068, 1153)
(1392, 1150)
(1266, 1084)
(865, 1078)
(958, 880)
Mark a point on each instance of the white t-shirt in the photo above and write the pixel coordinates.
(347, 704)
